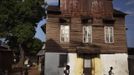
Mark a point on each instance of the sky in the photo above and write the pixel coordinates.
(126, 6)
(39, 32)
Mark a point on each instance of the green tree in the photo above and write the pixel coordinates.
(33, 46)
(18, 20)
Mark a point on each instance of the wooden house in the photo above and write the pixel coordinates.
(87, 35)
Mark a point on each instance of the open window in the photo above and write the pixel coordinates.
(109, 34)
(64, 33)
(87, 34)
(65, 30)
(87, 29)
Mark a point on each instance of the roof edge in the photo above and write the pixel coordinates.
(119, 13)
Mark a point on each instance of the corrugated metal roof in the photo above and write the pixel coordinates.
(41, 53)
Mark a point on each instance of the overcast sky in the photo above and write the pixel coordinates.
(126, 6)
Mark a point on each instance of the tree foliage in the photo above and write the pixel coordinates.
(32, 46)
(18, 19)
(14, 13)
(23, 32)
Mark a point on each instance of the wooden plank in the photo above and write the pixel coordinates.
(75, 11)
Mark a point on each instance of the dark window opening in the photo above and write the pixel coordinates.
(53, 2)
(62, 60)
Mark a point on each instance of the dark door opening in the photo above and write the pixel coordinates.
(87, 67)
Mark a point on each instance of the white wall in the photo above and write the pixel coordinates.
(119, 62)
(72, 62)
(52, 63)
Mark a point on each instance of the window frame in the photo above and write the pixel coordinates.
(64, 33)
(63, 58)
(109, 34)
(90, 31)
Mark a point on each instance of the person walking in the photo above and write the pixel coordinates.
(110, 72)
(67, 70)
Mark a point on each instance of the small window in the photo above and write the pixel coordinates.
(87, 34)
(62, 60)
(64, 33)
(53, 2)
(109, 34)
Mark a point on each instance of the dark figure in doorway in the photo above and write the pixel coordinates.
(110, 71)
(67, 70)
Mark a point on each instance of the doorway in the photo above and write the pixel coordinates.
(87, 66)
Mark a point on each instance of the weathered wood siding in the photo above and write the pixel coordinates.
(94, 8)
(75, 10)
(119, 45)
(75, 32)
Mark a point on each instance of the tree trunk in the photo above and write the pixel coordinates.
(20, 64)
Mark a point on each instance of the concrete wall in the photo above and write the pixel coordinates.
(52, 64)
(75, 63)
(119, 63)
(101, 66)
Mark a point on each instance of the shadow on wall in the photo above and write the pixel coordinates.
(53, 46)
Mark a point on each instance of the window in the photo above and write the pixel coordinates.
(64, 33)
(109, 34)
(87, 34)
(62, 60)
(53, 2)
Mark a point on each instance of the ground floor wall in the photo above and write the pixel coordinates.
(55, 64)
(118, 62)
(52, 64)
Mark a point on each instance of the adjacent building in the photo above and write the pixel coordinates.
(6, 58)
(87, 35)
